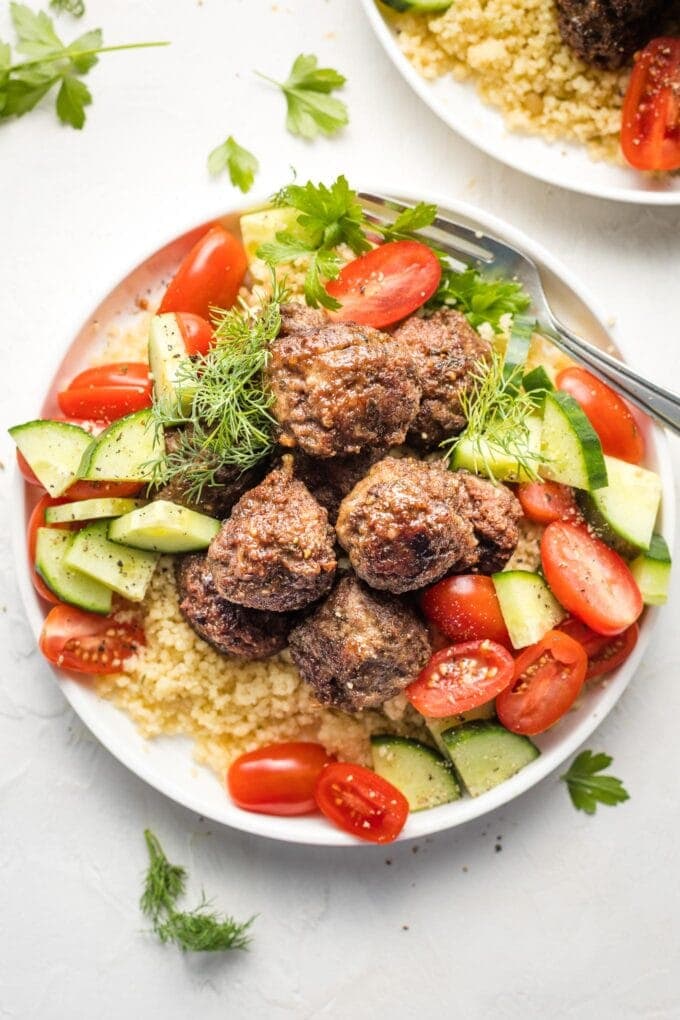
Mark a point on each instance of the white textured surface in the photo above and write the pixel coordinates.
(576, 917)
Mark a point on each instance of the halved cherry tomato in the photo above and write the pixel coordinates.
(278, 779)
(94, 427)
(544, 502)
(209, 275)
(103, 490)
(386, 284)
(650, 123)
(107, 402)
(465, 608)
(35, 521)
(609, 415)
(196, 332)
(361, 802)
(461, 677)
(547, 680)
(589, 579)
(119, 373)
(604, 653)
(87, 643)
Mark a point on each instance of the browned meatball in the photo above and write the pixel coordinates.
(494, 512)
(445, 348)
(402, 526)
(231, 629)
(331, 478)
(606, 33)
(296, 316)
(339, 387)
(276, 550)
(360, 647)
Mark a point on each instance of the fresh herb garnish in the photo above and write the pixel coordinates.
(407, 223)
(480, 298)
(50, 62)
(74, 7)
(587, 789)
(241, 164)
(198, 930)
(311, 108)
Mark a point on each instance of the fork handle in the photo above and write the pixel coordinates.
(661, 404)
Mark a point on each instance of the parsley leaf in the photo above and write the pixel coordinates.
(73, 7)
(408, 221)
(72, 98)
(480, 298)
(311, 108)
(587, 789)
(240, 163)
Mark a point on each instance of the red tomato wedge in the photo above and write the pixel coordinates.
(609, 415)
(544, 502)
(209, 275)
(547, 680)
(35, 521)
(590, 580)
(461, 677)
(103, 490)
(196, 332)
(107, 402)
(86, 642)
(604, 653)
(466, 608)
(650, 123)
(278, 779)
(386, 284)
(120, 373)
(361, 802)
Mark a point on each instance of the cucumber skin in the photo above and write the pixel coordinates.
(409, 756)
(586, 436)
(461, 735)
(652, 572)
(418, 6)
(595, 512)
(129, 529)
(80, 591)
(91, 509)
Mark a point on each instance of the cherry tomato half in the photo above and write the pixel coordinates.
(544, 502)
(107, 402)
(196, 332)
(609, 415)
(650, 123)
(103, 490)
(466, 608)
(461, 677)
(209, 275)
(278, 779)
(547, 680)
(604, 653)
(119, 373)
(86, 642)
(589, 579)
(386, 284)
(35, 521)
(361, 802)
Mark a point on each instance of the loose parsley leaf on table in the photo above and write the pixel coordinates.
(311, 108)
(241, 164)
(587, 788)
(73, 7)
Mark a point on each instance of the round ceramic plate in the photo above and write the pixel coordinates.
(560, 163)
(166, 763)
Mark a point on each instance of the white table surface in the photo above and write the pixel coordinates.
(577, 917)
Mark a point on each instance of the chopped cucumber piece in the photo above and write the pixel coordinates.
(126, 571)
(624, 512)
(570, 445)
(528, 606)
(438, 726)
(167, 354)
(652, 572)
(539, 382)
(421, 773)
(485, 754)
(165, 527)
(262, 227)
(483, 458)
(517, 351)
(52, 545)
(90, 509)
(53, 451)
(419, 6)
(124, 451)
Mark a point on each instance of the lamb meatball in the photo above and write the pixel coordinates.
(329, 480)
(276, 550)
(296, 316)
(445, 348)
(494, 512)
(339, 387)
(360, 647)
(606, 33)
(231, 629)
(402, 527)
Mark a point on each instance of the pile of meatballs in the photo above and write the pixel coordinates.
(324, 549)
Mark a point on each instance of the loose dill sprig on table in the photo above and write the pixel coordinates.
(198, 930)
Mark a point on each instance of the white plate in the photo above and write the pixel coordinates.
(166, 763)
(560, 163)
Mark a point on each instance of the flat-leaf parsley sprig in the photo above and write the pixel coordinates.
(311, 110)
(241, 164)
(198, 930)
(587, 789)
(481, 299)
(50, 62)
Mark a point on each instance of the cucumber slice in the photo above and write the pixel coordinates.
(90, 510)
(517, 351)
(422, 774)
(485, 754)
(624, 512)
(52, 545)
(126, 571)
(539, 382)
(652, 572)
(570, 445)
(167, 354)
(528, 606)
(165, 527)
(262, 227)
(438, 726)
(124, 452)
(482, 458)
(418, 6)
(53, 451)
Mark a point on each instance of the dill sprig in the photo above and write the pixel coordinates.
(198, 930)
(497, 411)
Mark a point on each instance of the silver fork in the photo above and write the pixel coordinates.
(466, 247)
